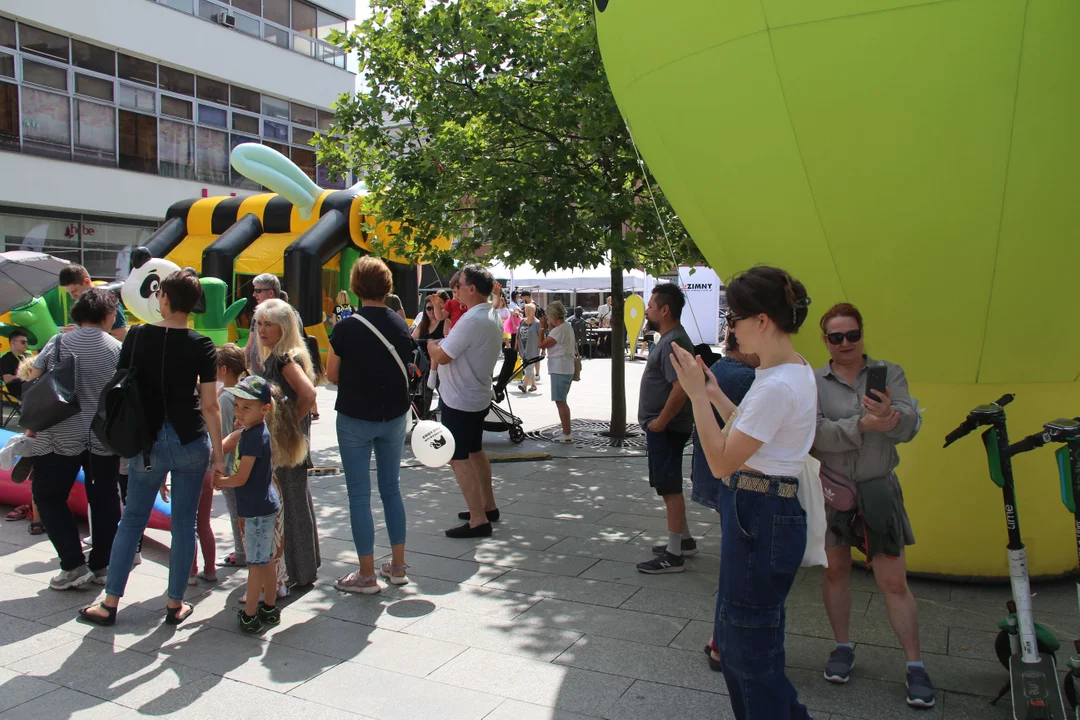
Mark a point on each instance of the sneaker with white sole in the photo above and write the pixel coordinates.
(841, 661)
(354, 582)
(68, 579)
(394, 574)
(561, 438)
(661, 564)
(100, 576)
(920, 691)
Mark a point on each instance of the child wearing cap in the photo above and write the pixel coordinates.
(257, 501)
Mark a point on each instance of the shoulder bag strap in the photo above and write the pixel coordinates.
(397, 358)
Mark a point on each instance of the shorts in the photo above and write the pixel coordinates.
(665, 460)
(903, 524)
(259, 539)
(560, 386)
(467, 429)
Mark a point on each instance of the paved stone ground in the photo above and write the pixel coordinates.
(546, 620)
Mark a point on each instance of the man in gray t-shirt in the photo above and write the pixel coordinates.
(667, 419)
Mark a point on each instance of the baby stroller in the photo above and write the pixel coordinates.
(420, 395)
(498, 419)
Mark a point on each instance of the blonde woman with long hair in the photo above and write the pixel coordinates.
(287, 364)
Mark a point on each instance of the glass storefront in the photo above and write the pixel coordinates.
(102, 245)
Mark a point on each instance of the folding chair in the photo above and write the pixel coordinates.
(7, 398)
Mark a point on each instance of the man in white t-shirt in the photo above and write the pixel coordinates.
(466, 360)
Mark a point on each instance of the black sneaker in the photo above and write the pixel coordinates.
(268, 615)
(252, 625)
(464, 531)
(22, 469)
(666, 563)
(838, 669)
(689, 547)
(492, 515)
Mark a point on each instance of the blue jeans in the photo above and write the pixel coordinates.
(356, 439)
(761, 548)
(187, 464)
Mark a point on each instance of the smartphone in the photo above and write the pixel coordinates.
(875, 380)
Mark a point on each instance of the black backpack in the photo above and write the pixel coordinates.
(119, 422)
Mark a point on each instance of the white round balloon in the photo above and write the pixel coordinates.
(432, 443)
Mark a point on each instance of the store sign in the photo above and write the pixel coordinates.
(701, 316)
(72, 231)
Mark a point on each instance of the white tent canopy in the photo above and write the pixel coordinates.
(594, 279)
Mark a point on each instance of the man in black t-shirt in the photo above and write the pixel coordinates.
(9, 363)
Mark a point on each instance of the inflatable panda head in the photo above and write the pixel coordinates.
(140, 288)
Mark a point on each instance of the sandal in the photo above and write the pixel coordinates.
(177, 615)
(109, 619)
(714, 664)
(36, 528)
(231, 561)
(19, 513)
(388, 569)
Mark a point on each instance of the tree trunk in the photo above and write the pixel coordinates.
(618, 355)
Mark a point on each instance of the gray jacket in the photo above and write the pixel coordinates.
(839, 445)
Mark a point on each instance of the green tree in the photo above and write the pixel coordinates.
(492, 120)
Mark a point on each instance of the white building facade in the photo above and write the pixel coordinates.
(112, 110)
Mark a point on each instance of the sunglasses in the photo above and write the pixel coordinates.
(429, 309)
(837, 338)
(732, 318)
(262, 290)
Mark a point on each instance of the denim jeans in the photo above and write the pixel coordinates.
(761, 548)
(186, 464)
(357, 438)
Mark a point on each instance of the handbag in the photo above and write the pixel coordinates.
(577, 367)
(52, 398)
(840, 492)
(812, 500)
(411, 420)
(120, 423)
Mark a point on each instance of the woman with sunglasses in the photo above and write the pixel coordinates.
(759, 455)
(856, 438)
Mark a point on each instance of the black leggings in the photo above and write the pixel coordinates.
(54, 476)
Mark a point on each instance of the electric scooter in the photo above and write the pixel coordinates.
(1066, 431)
(1032, 671)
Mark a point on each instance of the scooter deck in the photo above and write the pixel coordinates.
(1036, 694)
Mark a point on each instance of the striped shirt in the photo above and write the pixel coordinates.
(97, 353)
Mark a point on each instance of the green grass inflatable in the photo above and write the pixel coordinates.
(920, 159)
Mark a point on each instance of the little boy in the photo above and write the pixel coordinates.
(257, 501)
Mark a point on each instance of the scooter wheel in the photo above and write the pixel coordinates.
(1003, 649)
(1070, 690)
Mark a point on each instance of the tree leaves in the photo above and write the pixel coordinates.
(492, 120)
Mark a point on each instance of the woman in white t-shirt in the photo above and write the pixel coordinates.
(560, 343)
(769, 436)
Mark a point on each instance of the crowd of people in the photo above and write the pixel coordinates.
(237, 421)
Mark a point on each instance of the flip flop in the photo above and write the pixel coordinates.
(19, 513)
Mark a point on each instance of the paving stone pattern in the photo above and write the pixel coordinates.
(546, 620)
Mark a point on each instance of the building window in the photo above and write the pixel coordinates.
(42, 74)
(93, 86)
(213, 115)
(46, 123)
(212, 156)
(275, 131)
(238, 180)
(175, 107)
(7, 65)
(107, 247)
(252, 6)
(138, 142)
(9, 116)
(95, 133)
(43, 42)
(176, 147)
(7, 33)
(301, 136)
(138, 98)
(245, 123)
(92, 57)
(176, 81)
(245, 99)
(283, 149)
(276, 11)
(277, 36)
(136, 70)
(329, 23)
(303, 114)
(187, 6)
(326, 120)
(272, 107)
(212, 90)
(305, 160)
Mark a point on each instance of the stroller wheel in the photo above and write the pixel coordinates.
(517, 435)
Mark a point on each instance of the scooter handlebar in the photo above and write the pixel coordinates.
(965, 429)
(1031, 442)
(1004, 399)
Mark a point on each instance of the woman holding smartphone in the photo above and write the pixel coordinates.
(759, 454)
(860, 422)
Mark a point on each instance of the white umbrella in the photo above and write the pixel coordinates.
(26, 275)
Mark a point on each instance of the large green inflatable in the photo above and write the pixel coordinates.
(920, 159)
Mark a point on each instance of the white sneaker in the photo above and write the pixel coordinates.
(565, 439)
(137, 560)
